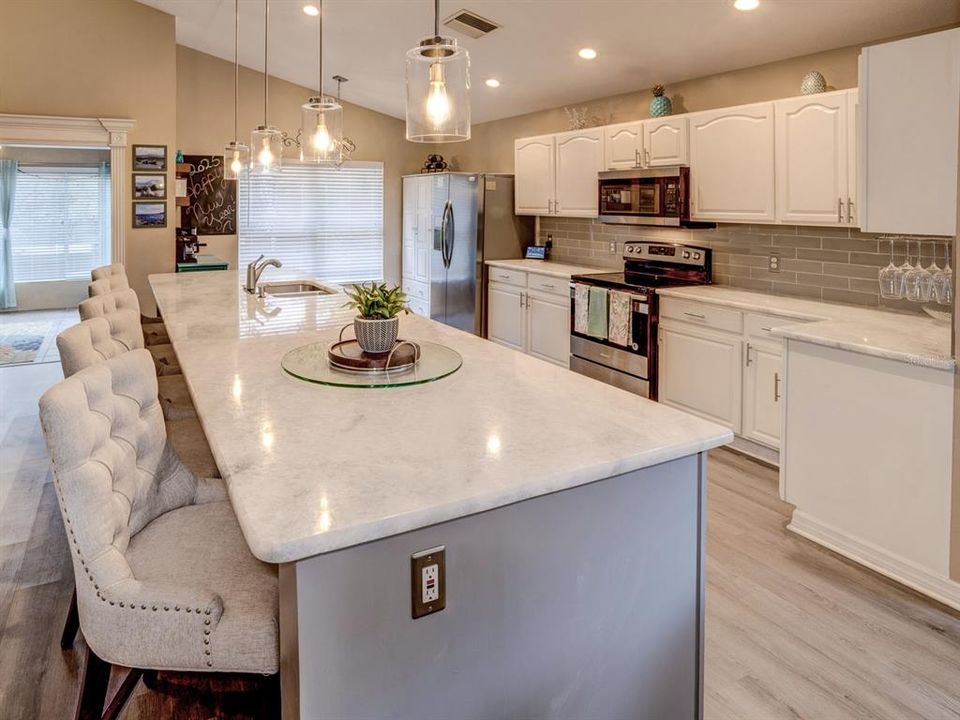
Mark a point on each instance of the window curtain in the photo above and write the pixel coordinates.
(8, 183)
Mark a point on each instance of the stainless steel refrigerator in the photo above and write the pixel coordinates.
(474, 221)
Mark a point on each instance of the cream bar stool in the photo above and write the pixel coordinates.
(164, 578)
(116, 276)
(154, 333)
(122, 310)
(89, 343)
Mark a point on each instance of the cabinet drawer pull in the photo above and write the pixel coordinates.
(698, 316)
(503, 276)
(776, 387)
(548, 285)
(767, 329)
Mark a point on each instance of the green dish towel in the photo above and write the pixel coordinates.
(597, 320)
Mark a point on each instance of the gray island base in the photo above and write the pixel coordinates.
(585, 603)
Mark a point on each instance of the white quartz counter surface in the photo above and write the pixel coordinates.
(909, 338)
(548, 267)
(312, 469)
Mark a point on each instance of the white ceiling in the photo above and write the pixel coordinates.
(534, 54)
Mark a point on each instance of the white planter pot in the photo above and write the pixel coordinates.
(376, 336)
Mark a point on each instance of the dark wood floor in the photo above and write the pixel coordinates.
(793, 631)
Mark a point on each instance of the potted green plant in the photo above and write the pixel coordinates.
(377, 322)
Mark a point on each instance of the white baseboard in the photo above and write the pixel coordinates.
(906, 572)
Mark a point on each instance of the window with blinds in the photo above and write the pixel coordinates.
(60, 228)
(325, 221)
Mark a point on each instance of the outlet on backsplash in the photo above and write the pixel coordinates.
(774, 263)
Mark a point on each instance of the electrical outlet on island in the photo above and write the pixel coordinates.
(774, 263)
(613, 248)
(428, 581)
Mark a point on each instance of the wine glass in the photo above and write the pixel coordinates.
(926, 280)
(912, 280)
(891, 278)
(905, 267)
(943, 281)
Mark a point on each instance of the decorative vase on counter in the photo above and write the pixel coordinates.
(660, 106)
(376, 335)
(813, 83)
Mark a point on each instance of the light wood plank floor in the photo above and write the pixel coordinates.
(793, 631)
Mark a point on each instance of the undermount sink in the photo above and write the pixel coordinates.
(294, 287)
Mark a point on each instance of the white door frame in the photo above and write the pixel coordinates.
(82, 132)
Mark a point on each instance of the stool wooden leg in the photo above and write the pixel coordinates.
(122, 695)
(93, 687)
(70, 625)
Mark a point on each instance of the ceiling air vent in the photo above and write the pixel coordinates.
(470, 24)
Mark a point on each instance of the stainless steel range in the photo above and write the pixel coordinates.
(631, 363)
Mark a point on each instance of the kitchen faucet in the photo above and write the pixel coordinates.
(255, 270)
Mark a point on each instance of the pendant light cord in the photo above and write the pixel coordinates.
(236, 68)
(266, 36)
(320, 51)
(436, 18)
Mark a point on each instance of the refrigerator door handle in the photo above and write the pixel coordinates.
(447, 234)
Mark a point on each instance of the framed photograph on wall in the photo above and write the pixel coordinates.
(149, 187)
(149, 215)
(149, 157)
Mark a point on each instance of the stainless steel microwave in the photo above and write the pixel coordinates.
(655, 196)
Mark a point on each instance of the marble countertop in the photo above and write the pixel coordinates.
(908, 338)
(548, 267)
(313, 469)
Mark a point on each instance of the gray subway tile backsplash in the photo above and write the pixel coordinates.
(831, 264)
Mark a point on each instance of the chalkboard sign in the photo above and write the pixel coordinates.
(213, 200)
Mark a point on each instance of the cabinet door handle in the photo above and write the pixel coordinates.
(698, 316)
(521, 299)
(749, 348)
(646, 155)
(549, 207)
(849, 210)
(636, 158)
(556, 207)
(839, 210)
(776, 387)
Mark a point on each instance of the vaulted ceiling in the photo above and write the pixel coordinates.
(534, 52)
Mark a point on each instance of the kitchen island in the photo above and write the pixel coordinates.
(571, 514)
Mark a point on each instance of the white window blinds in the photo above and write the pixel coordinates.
(60, 228)
(325, 221)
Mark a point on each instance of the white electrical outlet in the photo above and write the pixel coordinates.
(430, 583)
(613, 248)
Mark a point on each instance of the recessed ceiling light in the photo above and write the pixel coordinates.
(312, 10)
(590, 53)
(746, 4)
(493, 82)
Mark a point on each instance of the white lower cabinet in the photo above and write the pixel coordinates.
(700, 372)
(762, 390)
(530, 314)
(548, 327)
(724, 365)
(506, 321)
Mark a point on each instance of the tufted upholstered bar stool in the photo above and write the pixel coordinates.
(164, 578)
(120, 311)
(114, 277)
(121, 307)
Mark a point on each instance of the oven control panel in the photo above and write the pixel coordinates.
(666, 252)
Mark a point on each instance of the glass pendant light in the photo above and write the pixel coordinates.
(321, 117)
(236, 155)
(438, 89)
(266, 141)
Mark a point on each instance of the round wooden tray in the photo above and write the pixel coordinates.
(347, 355)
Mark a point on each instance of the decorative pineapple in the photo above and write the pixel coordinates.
(660, 105)
(813, 83)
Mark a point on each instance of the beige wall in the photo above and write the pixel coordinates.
(205, 124)
(491, 146)
(97, 58)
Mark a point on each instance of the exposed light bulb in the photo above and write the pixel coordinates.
(265, 156)
(493, 82)
(311, 10)
(235, 165)
(587, 53)
(746, 4)
(438, 104)
(321, 140)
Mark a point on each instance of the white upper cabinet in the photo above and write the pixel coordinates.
(579, 159)
(909, 117)
(533, 160)
(732, 164)
(666, 142)
(623, 146)
(812, 160)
